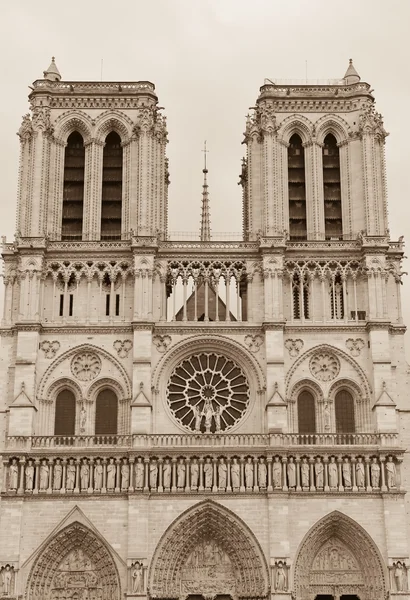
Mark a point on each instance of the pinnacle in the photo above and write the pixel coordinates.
(52, 73)
(351, 75)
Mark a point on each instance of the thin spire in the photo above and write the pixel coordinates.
(351, 75)
(52, 73)
(205, 220)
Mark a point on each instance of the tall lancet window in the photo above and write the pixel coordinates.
(73, 188)
(331, 189)
(297, 189)
(111, 208)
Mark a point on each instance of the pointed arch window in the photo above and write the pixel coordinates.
(106, 413)
(344, 412)
(64, 420)
(297, 189)
(332, 189)
(111, 207)
(300, 296)
(73, 188)
(306, 413)
(337, 307)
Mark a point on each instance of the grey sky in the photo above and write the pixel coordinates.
(208, 59)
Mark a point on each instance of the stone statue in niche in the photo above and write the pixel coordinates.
(198, 418)
(7, 580)
(137, 578)
(360, 473)
(83, 419)
(304, 469)
(98, 475)
(262, 473)
(319, 468)
(346, 473)
(280, 577)
(194, 474)
(249, 473)
(44, 474)
(84, 475)
(166, 474)
(333, 479)
(181, 471)
(291, 471)
(217, 416)
(29, 476)
(208, 473)
(235, 474)
(58, 475)
(153, 474)
(277, 473)
(125, 475)
(208, 413)
(390, 473)
(222, 473)
(13, 475)
(70, 476)
(400, 576)
(111, 469)
(326, 415)
(375, 473)
(139, 474)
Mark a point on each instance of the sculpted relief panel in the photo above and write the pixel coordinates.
(208, 571)
(76, 578)
(335, 564)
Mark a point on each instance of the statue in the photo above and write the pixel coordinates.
(125, 475)
(391, 473)
(44, 473)
(166, 474)
(208, 413)
(217, 415)
(319, 468)
(262, 473)
(326, 415)
(13, 475)
(84, 474)
(208, 472)
(333, 478)
(29, 476)
(249, 473)
(222, 474)
(235, 474)
(83, 419)
(291, 470)
(194, 474)
(347, 473)
(138, 579)
(399, 575)
(375, 473)
(360, 473)
(6, 578)
(111, 469)
(280, 579)
(181, 470)
(139, 474)
(58, 475)
(153, 474)
(277, 473)
(198, 418)
(98, 475)
(304, 469)
(70, 476)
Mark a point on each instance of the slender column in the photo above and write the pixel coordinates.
(22, 303)
(117, 484)
(160, 485)
(146, 463)
(312, 478)
(91, 478)
(104, 481)
(339, 471)
(63, 477)
(201, 475)
(206, 312)
(398, 295)
(195, 300)
(36, 476)
(323, 279)
(280, 294)
(163, 280)
(112, 298)
(376, 278)
(255, 475)
(312, 297)
(149, 294)
(325, 461)
(302, 299)
(188, 474)
(228, 475)
(131, 460)
(77, 476)
(174, 289)
(334, 316)
(238, 301)
(345, 307)
(184, 287)
(353, 463)
(174, 474)
(50, 476)
(101, 308)
(7, 284)
(242, 481)
(217, 300)
(284, 474)
(292, 313)
(228, 300)
(123, 299)
(383, 279)
(368, 480)
(297, 463)
(215, 471)
(20, 491)
(274, 308)
(382, 461)
(143, 294)
(249, 298)
(65, 300)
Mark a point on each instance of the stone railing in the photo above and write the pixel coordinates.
(195, 440)
(149, 472)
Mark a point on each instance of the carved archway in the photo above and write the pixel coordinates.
(338, 557)
(208, 551)
(75, 564)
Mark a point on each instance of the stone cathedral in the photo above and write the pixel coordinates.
(203, 419)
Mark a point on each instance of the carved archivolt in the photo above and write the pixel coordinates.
(336, 557)
(348, 384)
(113, 121)
(73, 121)
(332, 124)
(75, 560)
(306, 384)
(296, 124)
(214, 533)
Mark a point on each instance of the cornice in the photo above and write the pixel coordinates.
(227, 328)
(325, 328)
(86, 329)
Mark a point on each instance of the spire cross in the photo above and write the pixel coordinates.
(205, 151)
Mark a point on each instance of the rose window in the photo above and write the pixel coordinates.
(208, 393)
(324, 366)
(86, 366)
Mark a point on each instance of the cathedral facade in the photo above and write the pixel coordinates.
(203, 419)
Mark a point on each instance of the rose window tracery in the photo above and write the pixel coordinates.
(324, 366)
(86, 366)
(208, 392)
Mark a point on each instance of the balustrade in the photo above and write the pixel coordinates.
(227, 473)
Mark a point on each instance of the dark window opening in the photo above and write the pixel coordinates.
(64, 421)
(117, 305)
(337, 308)
(71, 305)
(107, 305)
(61, 311)
(106, 413)
(344, 412)
(306, 413)
(73, 188)
(111, 208)
(332, 189)
(297, 304)
(297, 189)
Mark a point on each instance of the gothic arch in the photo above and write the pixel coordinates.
(77, 558)
(242, 570)
(113, 121)
(332, 124)
(296, 124)
(73, 121)
(347, 384)
(363, 574)
(306, 384)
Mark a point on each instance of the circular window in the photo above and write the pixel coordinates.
(86, 366)
(208, 393)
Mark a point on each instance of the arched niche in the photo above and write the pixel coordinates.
(338, 557)
(208, 535)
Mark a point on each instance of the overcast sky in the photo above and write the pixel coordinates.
(208, 59)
